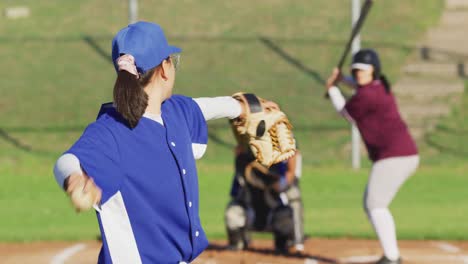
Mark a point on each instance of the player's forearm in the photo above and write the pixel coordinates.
(219, 107)
(65, 166)
(337, 98)
(339, 103)
(290, 173)
(290, 177)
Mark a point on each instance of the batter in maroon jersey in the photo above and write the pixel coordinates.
(392, 150)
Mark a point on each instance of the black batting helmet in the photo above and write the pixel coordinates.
(364, 58)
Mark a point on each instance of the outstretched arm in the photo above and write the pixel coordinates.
(225, 107)
(219, 107)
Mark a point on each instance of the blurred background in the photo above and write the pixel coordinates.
(55, 71)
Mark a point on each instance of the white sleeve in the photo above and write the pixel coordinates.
(339, 102)
(66, 165)
(337, 98)
(219, 107)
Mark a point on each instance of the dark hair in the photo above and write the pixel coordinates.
(386, 83)
(130, 99)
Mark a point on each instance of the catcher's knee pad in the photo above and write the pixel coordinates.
(294, 194)
(282, 221)
(235, 217)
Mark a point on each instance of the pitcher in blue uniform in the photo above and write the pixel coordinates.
(140, 155)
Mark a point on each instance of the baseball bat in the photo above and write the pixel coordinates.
(356, 28)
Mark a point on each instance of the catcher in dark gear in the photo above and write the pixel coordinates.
(265, 200)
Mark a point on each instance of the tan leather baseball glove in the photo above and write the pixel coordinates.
(265, 129)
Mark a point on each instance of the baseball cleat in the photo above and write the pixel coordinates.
(299, 247)
(385, 260)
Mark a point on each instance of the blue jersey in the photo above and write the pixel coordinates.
(149, 210)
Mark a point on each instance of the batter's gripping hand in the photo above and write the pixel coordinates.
(265, 129)
(83, 192)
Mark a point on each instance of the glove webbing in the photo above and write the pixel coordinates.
(255, 107)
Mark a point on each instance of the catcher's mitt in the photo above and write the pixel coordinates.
(266, 130)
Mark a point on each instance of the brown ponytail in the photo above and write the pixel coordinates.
(130, 98)
(386, 83)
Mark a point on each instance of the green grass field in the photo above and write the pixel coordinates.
(56, 72)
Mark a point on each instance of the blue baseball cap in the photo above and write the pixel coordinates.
(146, 42)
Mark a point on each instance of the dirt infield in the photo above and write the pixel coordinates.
(317, 251)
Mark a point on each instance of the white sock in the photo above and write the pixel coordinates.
(384, 226)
